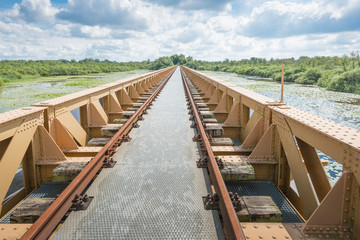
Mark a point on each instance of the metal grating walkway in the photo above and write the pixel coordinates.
(155, 190)
(47, 190)
(265, 189)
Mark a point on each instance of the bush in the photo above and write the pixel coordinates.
(346, 82)
(10, 74)
(311, 76)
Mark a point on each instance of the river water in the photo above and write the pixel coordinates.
(343, 108)
(25, 93)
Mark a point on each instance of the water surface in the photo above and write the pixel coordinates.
(25, 93)
(343, 108)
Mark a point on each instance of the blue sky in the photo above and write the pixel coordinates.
(124, 30)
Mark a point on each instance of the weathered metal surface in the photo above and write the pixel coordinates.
(237, 171)
(222, 142)
(110, 129)
(154, 191)
(252, 188)
(259, 209)
(214, 129)
(120, 120)
(30, 210)
(206, 114)
(66, 172)
(291, 137)
(44, 226)
(231, 224)
(98, 142)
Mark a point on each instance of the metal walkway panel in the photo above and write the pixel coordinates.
(155, 190)
(252, 188)
(47, 190)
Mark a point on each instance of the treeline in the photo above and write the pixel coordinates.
(21, 69)
(333, 73)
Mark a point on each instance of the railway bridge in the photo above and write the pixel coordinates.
(175, 154)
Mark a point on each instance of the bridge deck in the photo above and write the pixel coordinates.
(155, 190)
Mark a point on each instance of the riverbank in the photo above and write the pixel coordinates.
(22, 93)
(337, 81)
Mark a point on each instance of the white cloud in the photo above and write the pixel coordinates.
(282, 19)
(125, 30)
(32, 11)
(123, 14)
(90, 31)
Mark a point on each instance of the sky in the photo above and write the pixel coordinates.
(135, 30)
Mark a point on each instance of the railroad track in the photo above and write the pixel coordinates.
(232, 227)
(49, 220)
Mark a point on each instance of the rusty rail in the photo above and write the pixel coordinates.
(231, 223)
(48, 221)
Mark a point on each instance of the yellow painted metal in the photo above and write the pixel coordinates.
(224, 105)
(97, 114)
(284, 124)
(12, 202)
(15, 152)
(62, 137)
(263, 149)
(41, 135)
(13, 231)
(139, 89)
(254, 135)
(297, 168)
(209, 91)
(315, 168)
(124, 98)
(74, 128)
(234, 116)
(215, 97)
(133, 93)
(255, 117)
